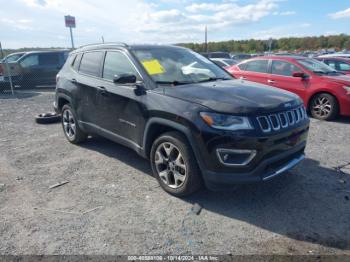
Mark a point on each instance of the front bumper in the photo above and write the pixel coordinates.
(266, 170)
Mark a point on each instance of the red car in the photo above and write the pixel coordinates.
(325, 92)
(341, 64)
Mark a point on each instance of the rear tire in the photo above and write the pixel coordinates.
(324, 107)
(174, 165)
(70, 125)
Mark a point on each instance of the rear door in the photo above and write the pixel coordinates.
(282, 77)
(87, 82)
(49, 65)
(254, 70)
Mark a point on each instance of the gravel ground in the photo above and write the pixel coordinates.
(112, 205)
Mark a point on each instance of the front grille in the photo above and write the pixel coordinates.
(282, 120)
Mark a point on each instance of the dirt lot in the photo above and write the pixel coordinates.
(112, 205)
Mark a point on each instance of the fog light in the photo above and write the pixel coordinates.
(235, 157)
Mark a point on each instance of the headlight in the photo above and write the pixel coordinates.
(226, 122)
(347, 89)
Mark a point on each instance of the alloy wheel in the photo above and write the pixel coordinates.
(322, 107)
(69, 124)
(170, 165)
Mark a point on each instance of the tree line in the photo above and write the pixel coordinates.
(338, 42)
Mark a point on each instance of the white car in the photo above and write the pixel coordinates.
(224, 62)
(347, 55)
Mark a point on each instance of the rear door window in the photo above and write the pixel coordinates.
(76, 61)
(259, 66)
(46, 59)
(91, 63)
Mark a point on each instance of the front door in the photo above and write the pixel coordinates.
(282, 77)
(121, 111)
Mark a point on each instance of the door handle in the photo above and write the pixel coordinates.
(271, 81)
(243, 78)
(103, 91)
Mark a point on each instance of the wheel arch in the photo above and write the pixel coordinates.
(63, 100)
(321, 92)
(157, 126)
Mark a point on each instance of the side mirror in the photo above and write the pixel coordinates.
(299, 74)
(125, 79)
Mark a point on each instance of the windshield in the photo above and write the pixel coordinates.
(178, 66)
(13, 58)
(317, 66)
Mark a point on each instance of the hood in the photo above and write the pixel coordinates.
(342, 79)
(235, 96)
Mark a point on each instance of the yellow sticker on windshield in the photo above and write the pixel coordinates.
(153, 67)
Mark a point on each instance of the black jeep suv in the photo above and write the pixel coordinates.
(193, 121)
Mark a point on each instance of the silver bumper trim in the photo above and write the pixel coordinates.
(292, 163)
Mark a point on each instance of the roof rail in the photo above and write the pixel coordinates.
(109, 43)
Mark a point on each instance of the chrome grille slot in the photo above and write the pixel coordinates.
(274, 122)
(264, 123)
(301, 111)
(283, 119)
(290, 116)
(296, 115)
(278, 121)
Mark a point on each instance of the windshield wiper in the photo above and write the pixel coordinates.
(174, 83)
(214, 79)
(319, 72)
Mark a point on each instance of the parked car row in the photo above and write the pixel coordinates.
(325, 91)
(31, 69)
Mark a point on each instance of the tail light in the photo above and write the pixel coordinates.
(1, 70)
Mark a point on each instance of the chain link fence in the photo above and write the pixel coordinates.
(30, 70)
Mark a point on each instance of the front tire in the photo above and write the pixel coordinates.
(174, 165)
(70, 126)
(324, 107)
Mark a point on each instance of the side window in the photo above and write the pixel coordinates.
(344, 66)
(259, 66)
(331, 63)
(283, 68)
(91, 63)
(48, 59)
(117, 63)
(30, 60)
(76, 61)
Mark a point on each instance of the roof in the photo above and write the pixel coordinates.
(279, 57)
(46, 51)
(122, 45)
(340, 58)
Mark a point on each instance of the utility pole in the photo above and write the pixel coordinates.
(270, 45)
(206, 39)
